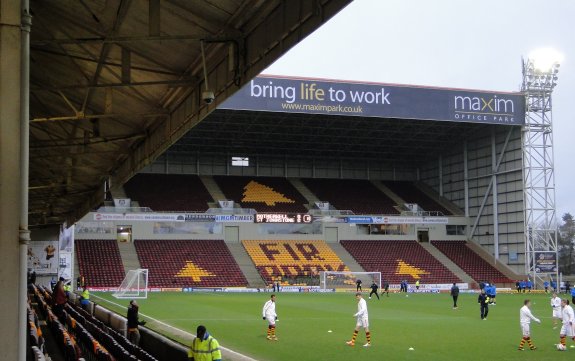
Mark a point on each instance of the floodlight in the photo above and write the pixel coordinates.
(545, 59)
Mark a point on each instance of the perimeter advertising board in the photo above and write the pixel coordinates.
(289, 95)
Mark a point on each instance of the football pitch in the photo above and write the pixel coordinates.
(424, 322)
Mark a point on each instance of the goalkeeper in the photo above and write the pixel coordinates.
(269, 314)
(374, 287)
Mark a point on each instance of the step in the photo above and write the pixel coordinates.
(118, 192)
(213, 188)
(129, 256)
(304, 191)
(442, 201)
(464, 277)
(500, 266)
(246, 265)
(394, 197)
(346, 258)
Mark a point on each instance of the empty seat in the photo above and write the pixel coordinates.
(470, 262)
(100, 262)
(359, 196)
(186, 263)
(264, 194)
(169, 192)
(399, 260)
(292, 259)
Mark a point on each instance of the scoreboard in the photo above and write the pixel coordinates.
(283, 218)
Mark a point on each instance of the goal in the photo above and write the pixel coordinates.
(343, 280)
(134, 285)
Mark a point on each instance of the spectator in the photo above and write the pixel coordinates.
(133, 323)
(59, 297)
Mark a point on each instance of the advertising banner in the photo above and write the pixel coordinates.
(291, 95)
(43, 257)
(396, 220)
(235, 218)
(545, 262)
(139, 217)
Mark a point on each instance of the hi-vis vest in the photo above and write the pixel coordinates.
(67, 288)
(86, 294)
(207, 350)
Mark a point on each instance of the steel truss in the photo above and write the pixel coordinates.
(539, 170)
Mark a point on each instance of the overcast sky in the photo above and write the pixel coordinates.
(453, 43)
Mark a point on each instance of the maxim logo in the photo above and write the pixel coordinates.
(484, 108)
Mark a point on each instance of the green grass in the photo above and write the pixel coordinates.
(425, 322)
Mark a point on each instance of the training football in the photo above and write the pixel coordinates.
(425, 323)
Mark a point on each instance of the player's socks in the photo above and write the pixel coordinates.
(531, 346)
(368, 337)
(563, 340)
(522, 343)
(354, 337)
(269, 332)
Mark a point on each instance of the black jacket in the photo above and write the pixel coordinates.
(483, 299)
(133, 317)
(455, 291)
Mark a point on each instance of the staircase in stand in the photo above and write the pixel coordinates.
(246, 265)
(129, 256)
(347, 259)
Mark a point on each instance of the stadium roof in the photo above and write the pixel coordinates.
(398, 125)
(115, 83)
(393, 141)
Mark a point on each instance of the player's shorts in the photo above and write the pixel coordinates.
(271, 321)
(557, 314)
(362, 322)
(567, 330)
(525, 329)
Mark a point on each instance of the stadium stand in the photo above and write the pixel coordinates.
(183, 263)
(411, 194)
(469, 261)
(399, 260)
(264, 194)
(359, 196)
(292, 260)
(84, 335)
(100, 271)
(169, 192)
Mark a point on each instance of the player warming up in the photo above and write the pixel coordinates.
(269, 314)
(568, 318)
(374, 287)
(556, 306)
(525, 317)
(362, 321)
(358, 285)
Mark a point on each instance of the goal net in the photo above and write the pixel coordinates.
(331, 279)
(134, 285)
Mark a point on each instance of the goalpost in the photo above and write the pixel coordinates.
(134, 285)
(332, 279)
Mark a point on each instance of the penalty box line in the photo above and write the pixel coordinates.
(235, 355)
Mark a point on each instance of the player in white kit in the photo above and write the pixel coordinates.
(525, 317)
(269, 314)
(362, 321)
(556, 306)
(568, 318)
